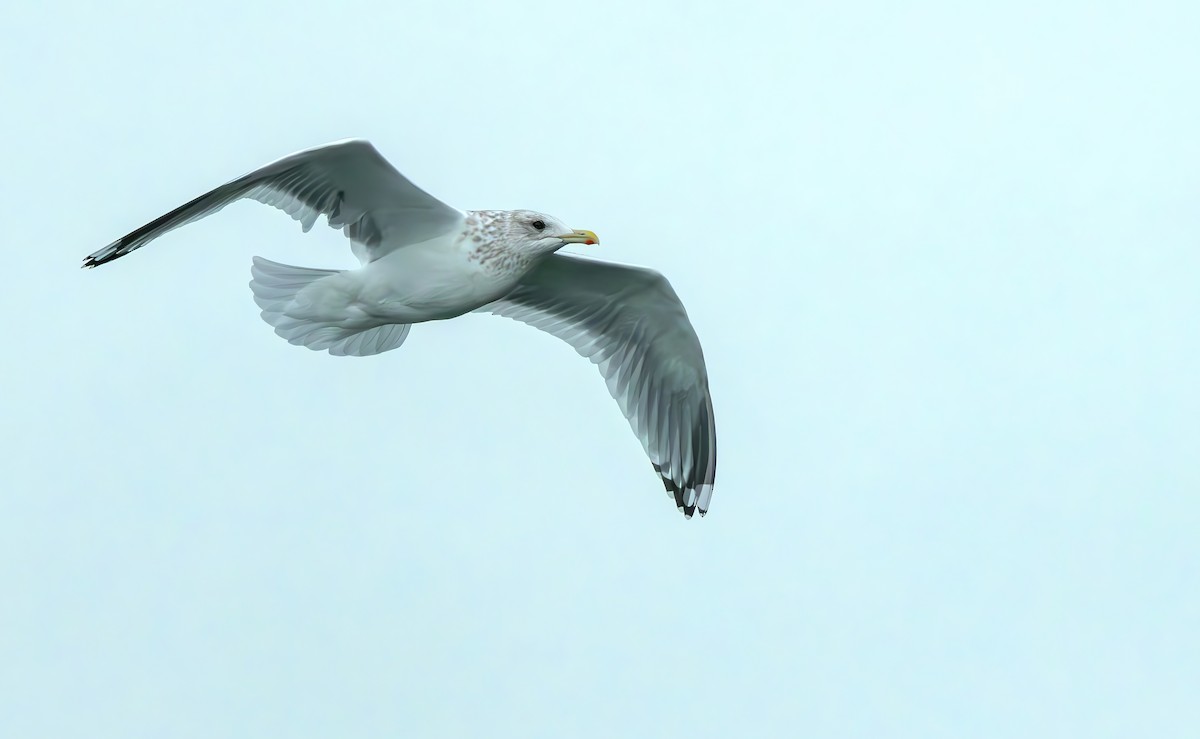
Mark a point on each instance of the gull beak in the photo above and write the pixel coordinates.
(580, 237)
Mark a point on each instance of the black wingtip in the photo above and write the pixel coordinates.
(104, 256)
(677, 493)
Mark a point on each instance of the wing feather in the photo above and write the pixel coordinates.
(630, 323)
(349, 182)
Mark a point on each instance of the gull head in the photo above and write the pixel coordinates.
(532, 233)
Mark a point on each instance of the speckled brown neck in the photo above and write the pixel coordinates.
(487, 234)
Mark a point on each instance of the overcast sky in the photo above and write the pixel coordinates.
(944, 266)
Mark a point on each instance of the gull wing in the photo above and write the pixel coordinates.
(349, 182)
(629, 322)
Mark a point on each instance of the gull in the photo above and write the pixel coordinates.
(422, 260)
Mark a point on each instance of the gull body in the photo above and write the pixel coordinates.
(436, 279)
(423, 260)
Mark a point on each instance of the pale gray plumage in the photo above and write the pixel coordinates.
(349, 182)
(423, 260)
(629, 322)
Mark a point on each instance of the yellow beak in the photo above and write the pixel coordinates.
(580, 237)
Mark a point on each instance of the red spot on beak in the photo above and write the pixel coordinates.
(589, 242)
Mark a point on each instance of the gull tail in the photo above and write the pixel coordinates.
(291, 298)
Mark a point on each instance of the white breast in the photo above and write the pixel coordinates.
(437, 279)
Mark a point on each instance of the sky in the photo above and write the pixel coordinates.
(943, 260)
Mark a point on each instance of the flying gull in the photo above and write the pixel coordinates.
(423, 260)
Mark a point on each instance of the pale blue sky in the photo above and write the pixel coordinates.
(943, 260)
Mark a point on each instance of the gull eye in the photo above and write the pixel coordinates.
(539, 225)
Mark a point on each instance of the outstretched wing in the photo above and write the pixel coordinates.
(630, 323)
(348, 182)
